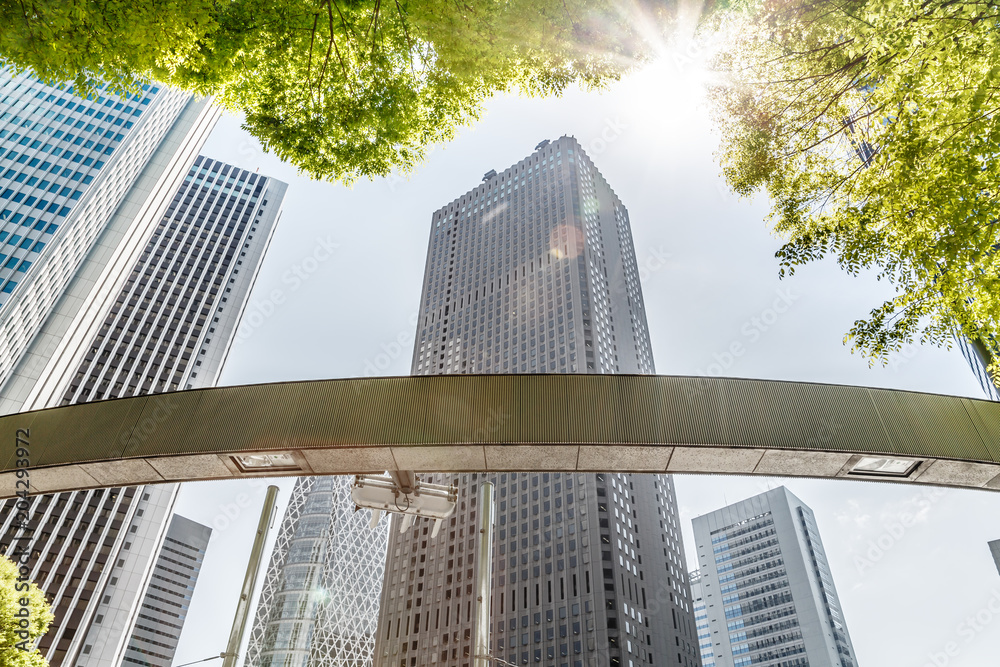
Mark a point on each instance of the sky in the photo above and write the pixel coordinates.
(910, 563)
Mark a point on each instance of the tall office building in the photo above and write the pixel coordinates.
(767, 585)
(164, 607)
(167, 325)
(534, 271)
(66, 166)
(995, 551)
(701, 620)
(319, 603)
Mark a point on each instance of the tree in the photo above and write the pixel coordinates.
(340, 88)
(24, 617)
(872, 125)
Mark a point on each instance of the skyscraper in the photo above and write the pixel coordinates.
(768, 588)
(164, 607)
(701, 620)
(66, 166)
(995, 551)
(167, 324)
(319, 603)
(534, 271)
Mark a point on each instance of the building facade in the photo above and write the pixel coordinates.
(767, 586)
(165, 605)
(167, 326)
(976, 356)
(701, 620)
(319, 603)
(534, 271)
(66, 165)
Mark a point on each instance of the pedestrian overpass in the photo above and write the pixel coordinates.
(487, 423)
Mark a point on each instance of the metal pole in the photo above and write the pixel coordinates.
(250, 580)
(481, 622)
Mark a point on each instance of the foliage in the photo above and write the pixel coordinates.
(872, 125)
(17, 633)
(340, 88)
(113, 40)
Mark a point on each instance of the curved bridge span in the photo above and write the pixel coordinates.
(633, 423)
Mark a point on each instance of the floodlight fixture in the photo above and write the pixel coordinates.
(884, 467)
(406, 494)
(266, 462)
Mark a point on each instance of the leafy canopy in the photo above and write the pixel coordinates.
(18, 628)
(872, 125)
(340, 88)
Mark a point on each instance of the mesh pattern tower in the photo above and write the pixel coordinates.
(319, 603)
(167, 326)
(534, 271)
(767, 586)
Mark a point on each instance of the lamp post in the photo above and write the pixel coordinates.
(250, 580)
(481, 621)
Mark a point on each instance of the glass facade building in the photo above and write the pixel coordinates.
(168, 324)
(534, 271)
(66, 165)
(319, 603)
(767, 586)
(701, 620)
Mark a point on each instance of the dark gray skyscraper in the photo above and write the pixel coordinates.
(164, 607)
(767, 586)
(995, 551)
(167, 324)
(534, 271)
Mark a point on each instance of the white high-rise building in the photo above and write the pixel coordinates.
(767, 586)
(319, 603)
(164, 321)
(701, 620)
(534, 271)
(75, 175)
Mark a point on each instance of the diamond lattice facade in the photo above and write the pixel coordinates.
(319, 603)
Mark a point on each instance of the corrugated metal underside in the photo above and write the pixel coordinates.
(509, 422)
